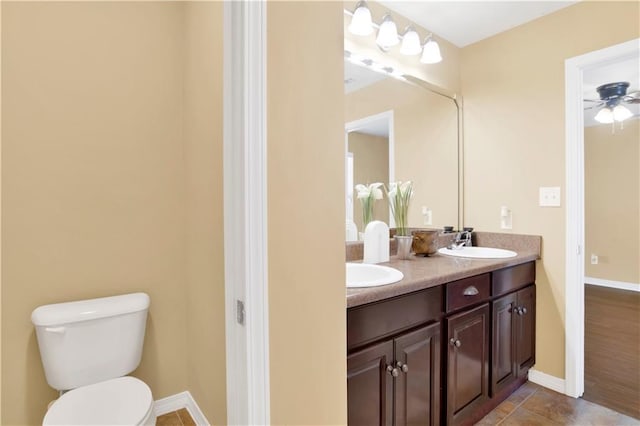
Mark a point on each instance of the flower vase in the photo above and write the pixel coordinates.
(404, 246)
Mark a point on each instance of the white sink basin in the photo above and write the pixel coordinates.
(479, 252)
(367, 275)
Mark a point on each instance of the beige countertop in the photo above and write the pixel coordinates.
(425, 272)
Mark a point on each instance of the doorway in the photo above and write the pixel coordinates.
(575, 69)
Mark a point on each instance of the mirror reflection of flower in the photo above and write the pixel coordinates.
(368, 194)
(399, 195)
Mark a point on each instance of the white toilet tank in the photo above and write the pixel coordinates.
(90, 341)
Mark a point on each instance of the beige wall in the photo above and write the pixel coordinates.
(111, 180)
(205, 238)
(370, 164)
(513, 86)
(307, 305)
(425, 144)
(445, 74)
(612, 201)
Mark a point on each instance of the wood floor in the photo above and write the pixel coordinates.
(533, 405)
(612, 349)
(176, 418)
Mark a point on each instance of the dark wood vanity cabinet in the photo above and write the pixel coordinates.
(444, 355)
(395, 381)
(417, 390)
(467, 362)
(526, 330)
(370, 386)
(513, 348)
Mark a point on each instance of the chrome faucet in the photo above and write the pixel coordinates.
(463, 239)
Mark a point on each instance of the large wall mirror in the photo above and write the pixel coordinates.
(399, 128)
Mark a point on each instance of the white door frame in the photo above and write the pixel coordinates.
(245, 213)
(574, 248)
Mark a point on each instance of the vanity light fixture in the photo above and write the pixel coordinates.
(360, 60)
(410, 42)
(361, 23)
(387, 33)
(431, 51)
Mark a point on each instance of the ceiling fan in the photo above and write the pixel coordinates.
(612, 96)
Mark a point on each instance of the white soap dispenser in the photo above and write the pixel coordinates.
(376, 242)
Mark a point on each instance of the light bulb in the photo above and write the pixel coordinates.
(605, 116)
(361, 20)
(388, 33)
(431, 53)
(410, 42)
(621, 113)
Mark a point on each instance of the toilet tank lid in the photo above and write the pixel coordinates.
(85, 310)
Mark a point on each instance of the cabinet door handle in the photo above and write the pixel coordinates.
(403, 367)
(393, 371)
(471, 291)
(455, 342)
(523, 310)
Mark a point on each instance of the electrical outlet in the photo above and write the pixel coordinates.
(594, 259)
(550, 196)
(506, 218)
(427, 216)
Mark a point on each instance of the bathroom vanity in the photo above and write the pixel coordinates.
(446, 344)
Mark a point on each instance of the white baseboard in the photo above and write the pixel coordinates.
(546, 380)
(179, 401)
(612, 284)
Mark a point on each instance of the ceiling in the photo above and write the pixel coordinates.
(466, 22)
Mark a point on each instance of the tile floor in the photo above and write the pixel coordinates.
(176, 418)
(534, 405)
(530, 405)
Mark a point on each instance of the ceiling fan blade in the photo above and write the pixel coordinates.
(632, 98)
(592, 100)
(598, 104)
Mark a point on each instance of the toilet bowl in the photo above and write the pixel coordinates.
(121, 401)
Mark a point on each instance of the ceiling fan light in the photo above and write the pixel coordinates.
(410, 42)
(361, 23)
(605, 116)
(431, 52)
(621, 113)
(388, 33)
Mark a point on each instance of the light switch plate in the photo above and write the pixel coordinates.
(550, 196)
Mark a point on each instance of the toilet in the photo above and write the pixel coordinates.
(87, 349)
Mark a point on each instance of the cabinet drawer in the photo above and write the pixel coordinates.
(509, 279)
(378, 320)
(467, 292)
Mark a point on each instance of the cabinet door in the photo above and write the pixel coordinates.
(417, 391)
(526, 330)
(467, 362)
(370, 386)
(503, 352)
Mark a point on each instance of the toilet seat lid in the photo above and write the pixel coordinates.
(121, 401)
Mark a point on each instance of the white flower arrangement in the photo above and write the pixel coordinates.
(399, 195)
(368, 194)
